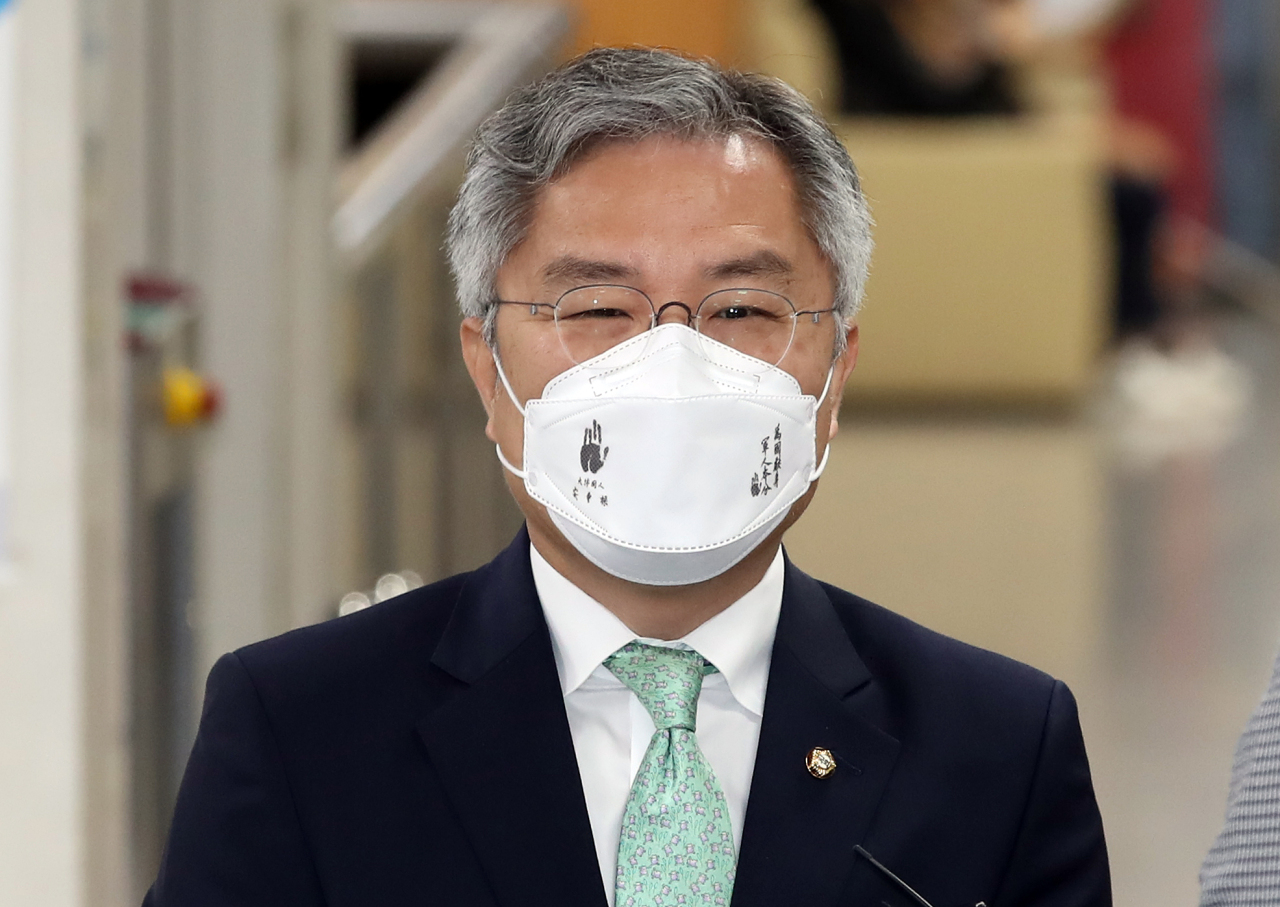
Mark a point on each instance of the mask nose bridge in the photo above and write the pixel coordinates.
(680, 349)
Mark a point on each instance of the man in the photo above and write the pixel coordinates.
(640, 701)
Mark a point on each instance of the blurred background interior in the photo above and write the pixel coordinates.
(232, 402)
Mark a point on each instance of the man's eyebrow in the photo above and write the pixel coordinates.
(765, 263)
(587, 270)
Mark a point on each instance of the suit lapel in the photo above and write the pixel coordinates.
(800, 831)
(500, 740)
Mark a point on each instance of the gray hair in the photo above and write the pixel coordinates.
(629, 94)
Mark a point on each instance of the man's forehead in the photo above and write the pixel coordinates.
(575, 268)
(715, 209)
(739, 151)
(727, 179)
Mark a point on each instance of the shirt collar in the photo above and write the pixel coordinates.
(738, 640)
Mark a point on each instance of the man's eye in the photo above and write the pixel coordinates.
(591, 314)
(738, 312)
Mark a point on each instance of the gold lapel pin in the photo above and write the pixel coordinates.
(820, 762)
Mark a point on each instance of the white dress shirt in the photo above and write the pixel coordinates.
(611, 729)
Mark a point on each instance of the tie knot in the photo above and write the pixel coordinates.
(666, 681)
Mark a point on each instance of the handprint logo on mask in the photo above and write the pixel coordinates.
(591, 455)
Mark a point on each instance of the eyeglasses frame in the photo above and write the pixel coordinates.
(657, 311)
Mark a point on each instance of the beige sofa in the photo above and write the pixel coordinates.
(991, 274)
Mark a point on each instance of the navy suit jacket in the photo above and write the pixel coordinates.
(418, 753)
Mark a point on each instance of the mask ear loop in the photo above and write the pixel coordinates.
(502, 375)
(826, 387)
(817, 472)
(826, 454)
(518, 473)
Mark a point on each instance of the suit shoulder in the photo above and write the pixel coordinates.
(944, 675)
(881, 629)
(369, 640)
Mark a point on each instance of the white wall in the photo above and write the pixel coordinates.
(41, 644)
(239, 125)
(224, 182)
(253, 144)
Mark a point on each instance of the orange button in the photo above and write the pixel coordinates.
(188, 398)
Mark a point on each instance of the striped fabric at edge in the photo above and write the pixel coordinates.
(1244, 865)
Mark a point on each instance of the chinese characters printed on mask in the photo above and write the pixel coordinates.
(766, 480)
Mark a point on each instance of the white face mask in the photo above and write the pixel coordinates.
(669, 469)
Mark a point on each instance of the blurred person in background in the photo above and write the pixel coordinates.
(1157, 56)
(642, 701)
(1163, 60)
(927, 57)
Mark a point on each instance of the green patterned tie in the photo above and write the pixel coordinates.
(676, 846)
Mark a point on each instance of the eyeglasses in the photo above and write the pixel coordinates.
(592, 320)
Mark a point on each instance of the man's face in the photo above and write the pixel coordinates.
(679, 220)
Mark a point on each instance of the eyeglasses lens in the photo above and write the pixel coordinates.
(593, 320)
(755, 322)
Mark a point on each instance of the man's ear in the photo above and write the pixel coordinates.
(840, 374)
(481, 367)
